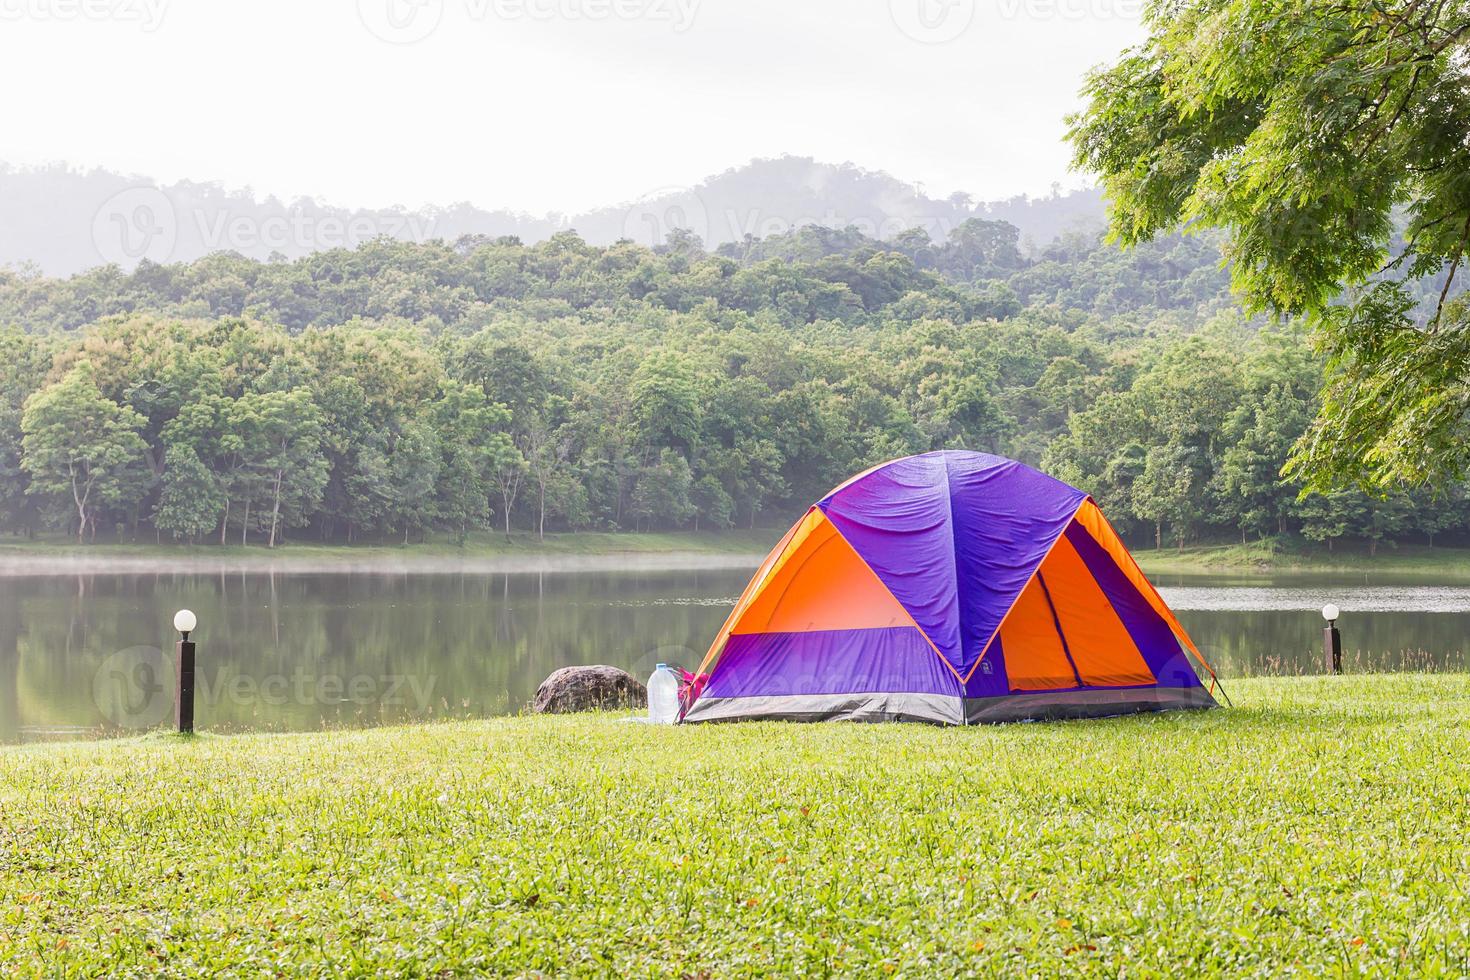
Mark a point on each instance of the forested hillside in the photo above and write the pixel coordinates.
(400, 389)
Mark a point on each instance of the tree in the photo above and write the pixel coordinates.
(546, 451)
(1306, 130)
(190, 500)
(297, 473)
(201, 430)
(477, 448)
(1441, 513)
(1385, 518)
(84, 446)
(1164, 492)
(353, 447)
(752, 470)
(12, 475)
(543, 384)
(661, 495)
(506, 476)
(413, 477)
(969, 417)
(1249, 482)
(981, 249)
(712, 504)
(274, 440)
(665, 404)
(23, 363)
(1103, 451)
(509, 375)
(1329, 516)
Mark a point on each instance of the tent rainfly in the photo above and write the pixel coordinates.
(955, 588)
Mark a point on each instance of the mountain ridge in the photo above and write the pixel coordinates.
(61, 220)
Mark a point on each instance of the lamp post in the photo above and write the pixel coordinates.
(185, 622)
(1332, 639)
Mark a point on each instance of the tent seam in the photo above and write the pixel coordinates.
(751, 590)
(1172, 621)
(954, 559)
(1056, 621)
(922, 632)
(1001, 625)
(805, 561)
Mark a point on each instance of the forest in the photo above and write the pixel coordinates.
(401, 390)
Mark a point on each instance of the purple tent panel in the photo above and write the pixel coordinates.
(955, 536)
(1153, 637)
(887, 660)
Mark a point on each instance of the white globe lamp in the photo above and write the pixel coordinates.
(185, 621)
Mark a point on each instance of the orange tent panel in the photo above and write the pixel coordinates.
(1035, 657)
(1101, 646)
(820, 584)
(752, 589)
(1090, 516)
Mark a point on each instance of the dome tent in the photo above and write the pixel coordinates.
(951, 587)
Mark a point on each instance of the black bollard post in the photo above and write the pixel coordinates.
(184, 621)
(184, 687)
(1332, 649)
(1332, 639)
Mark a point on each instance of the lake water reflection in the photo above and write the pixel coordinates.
(83, 654)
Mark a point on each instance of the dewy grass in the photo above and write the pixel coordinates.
(1319, 827)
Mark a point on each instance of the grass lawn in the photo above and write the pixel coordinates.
(1295, 556)
(1319, 827)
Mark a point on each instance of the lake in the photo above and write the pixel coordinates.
(81, 654)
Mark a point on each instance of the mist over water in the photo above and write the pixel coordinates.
(84, 654)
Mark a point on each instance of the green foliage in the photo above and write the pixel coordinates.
(1313, 133)
(274, 441)
(398, 391)
(82, 447)
(665, 404)
(1165, 491)
(1194, 443)
(23, 360)
(473, 437)
(190, 499)
(807, 276)
(661, 493)
(1248, 482)
(712, 505)
(1397, 408)
(497, 848)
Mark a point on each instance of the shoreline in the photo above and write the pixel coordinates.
(481, 555)
(12, 566)
(653, 552)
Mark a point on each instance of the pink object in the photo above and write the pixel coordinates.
(691, 686)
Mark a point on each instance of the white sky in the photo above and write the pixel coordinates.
(548, 105)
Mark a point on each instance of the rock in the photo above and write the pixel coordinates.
(574, 689)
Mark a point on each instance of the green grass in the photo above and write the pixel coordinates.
(1293, 556)
(1317, 828)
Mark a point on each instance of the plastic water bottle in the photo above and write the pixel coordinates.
(663, 696)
